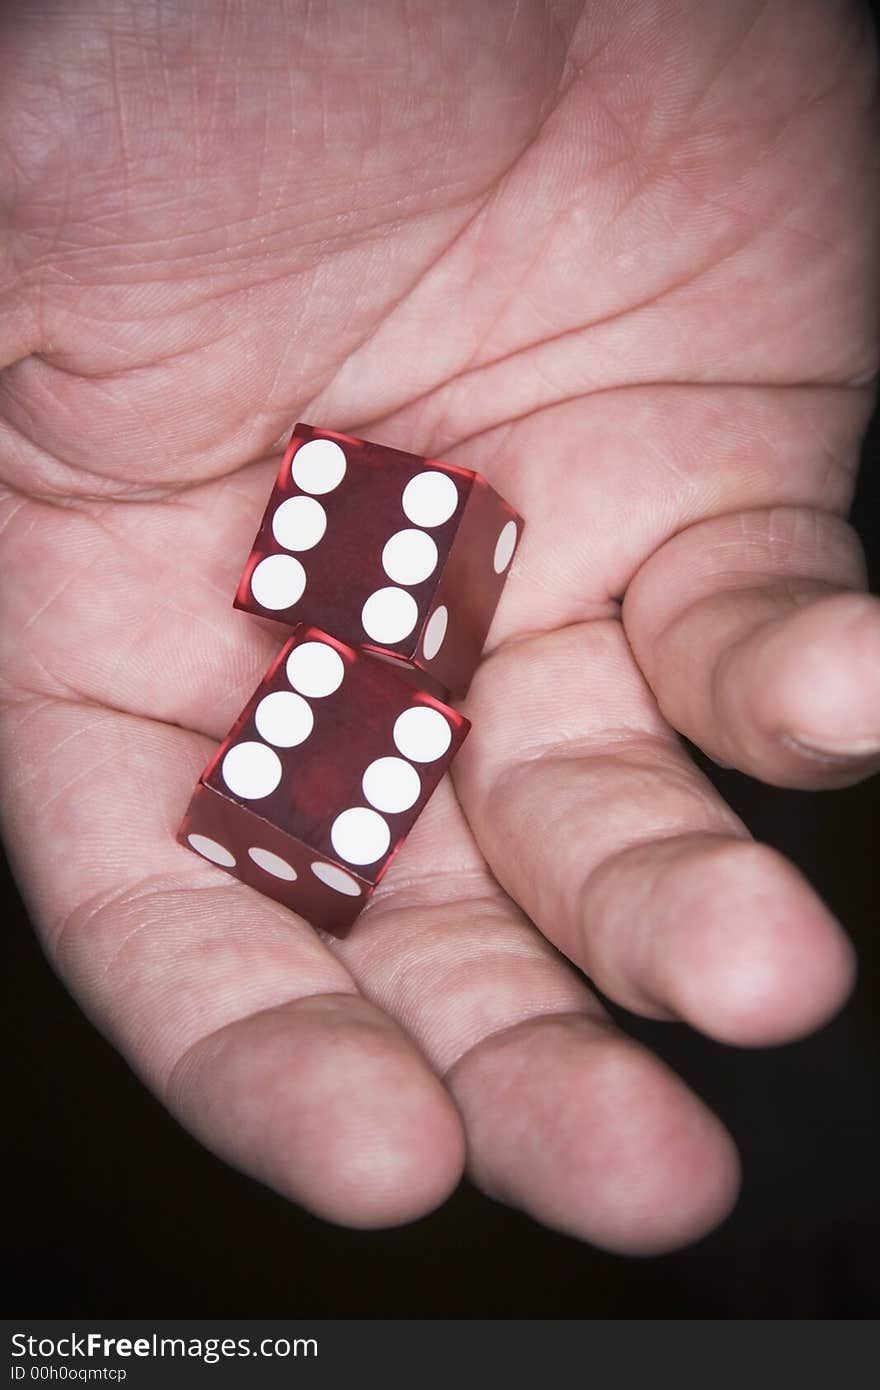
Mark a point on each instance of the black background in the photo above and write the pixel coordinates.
(112, 1210)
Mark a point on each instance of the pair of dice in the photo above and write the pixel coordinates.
(336, 753)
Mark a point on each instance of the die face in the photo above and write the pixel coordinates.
(338, 752)
(354, 540)
(275, 864)
(469, 590)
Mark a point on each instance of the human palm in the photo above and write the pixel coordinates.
(619, 260)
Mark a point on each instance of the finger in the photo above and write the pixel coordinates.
(566, 1118)
(250, 1031)
(757, 648)
(228, 1006)
(594, 1136)
(592, 817)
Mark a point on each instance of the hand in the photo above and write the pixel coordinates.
(618, 258)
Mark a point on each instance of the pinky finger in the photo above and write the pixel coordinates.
(758, 646)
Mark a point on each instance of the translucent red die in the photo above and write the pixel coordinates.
(395, 553)
(321, 778)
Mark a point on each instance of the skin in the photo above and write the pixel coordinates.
(622, 260)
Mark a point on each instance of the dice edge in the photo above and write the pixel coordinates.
(348, 910)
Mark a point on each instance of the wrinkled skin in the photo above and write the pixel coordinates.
(618, 258)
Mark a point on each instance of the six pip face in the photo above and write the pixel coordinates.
(388, 551)
(321, 778)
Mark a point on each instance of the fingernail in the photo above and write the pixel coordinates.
(835, 749)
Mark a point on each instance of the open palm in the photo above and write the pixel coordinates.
(617, 258)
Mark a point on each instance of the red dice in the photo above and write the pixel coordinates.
(367, 553)
(389, 552)
(321, 777)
